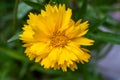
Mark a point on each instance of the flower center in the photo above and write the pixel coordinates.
(59, 40)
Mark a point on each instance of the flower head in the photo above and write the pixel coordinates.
(54, 40)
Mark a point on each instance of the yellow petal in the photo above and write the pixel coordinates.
(78, 22)
(39, 48)
(62, 57)
(83, 26)
(54, 54)
(66, 20)
(73, 66)
(83, 41)
(81, 54)
(27, 35)
(46, 63)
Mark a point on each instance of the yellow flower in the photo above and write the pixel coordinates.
(54, 40)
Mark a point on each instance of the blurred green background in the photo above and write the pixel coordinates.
(15, 65)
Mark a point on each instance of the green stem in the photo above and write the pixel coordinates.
(15, 15)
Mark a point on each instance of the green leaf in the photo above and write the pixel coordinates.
(58, 78)
(95, 22)
(106, 36)
(83, 8)
(50, 71)
(5, 71)
(23, 9)
(58, 73)
(36, 6)
(4, 58)
(24, 69)
(109, 8)
(104, 2)
(15, 37)
(13, 54)
(79, 11)
(66, 2)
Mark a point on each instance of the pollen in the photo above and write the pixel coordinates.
(59, 40)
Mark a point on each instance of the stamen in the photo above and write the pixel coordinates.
(59, 39)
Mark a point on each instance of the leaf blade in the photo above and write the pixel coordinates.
(106, 36)
(15, 37)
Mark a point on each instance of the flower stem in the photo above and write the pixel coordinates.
(15, 15)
